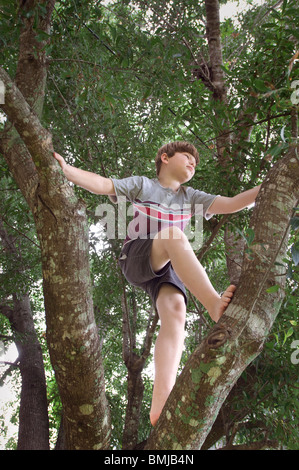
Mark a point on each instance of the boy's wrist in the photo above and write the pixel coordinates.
(67, 170)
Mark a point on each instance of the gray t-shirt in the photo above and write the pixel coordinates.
(156, 207)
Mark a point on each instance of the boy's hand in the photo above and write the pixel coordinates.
(86, 179)
(60, 160)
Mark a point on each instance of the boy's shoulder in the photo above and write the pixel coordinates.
(142, 180)
(132, 187)
(135, 178)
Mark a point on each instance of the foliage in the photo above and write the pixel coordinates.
(122, 80)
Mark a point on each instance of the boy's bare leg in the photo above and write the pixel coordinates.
(172, 244)
(169, 345)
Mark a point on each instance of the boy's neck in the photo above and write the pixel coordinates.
(168, 182)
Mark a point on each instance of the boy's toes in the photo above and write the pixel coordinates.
(228, 293)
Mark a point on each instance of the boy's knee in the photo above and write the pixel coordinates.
(178, 310)
(173, 234)
(172, 302)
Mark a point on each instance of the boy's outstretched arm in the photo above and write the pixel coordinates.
(228, 205)
(91, 181)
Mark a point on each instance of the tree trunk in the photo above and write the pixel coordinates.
(63, 233)
(33, 415)
(135, 396)
(215, 49)
(238, 337)
(135, 365)
(72, 336)
(219, 92)
(31, 79)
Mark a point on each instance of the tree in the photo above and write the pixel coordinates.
(58, 269)
(34, 423)
(246, 108)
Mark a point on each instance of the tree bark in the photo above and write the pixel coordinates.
(31, 78)
(215, 49)
(238, 337)
(228, 415)
(135, 364)
(33, 431)
(72, 336)
(135, 389)
(31, 75)
(217, 78)
(33, 415)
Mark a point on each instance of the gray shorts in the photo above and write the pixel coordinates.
(135, 264)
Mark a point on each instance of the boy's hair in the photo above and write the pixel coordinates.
(173, 147)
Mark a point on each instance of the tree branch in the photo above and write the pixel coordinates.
(71, 331)
(259, 445)
(36, 138)
(12, 366)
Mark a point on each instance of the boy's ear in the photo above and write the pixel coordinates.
(164, 158)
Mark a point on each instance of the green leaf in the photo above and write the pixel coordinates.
(248, 236)
(276, 14)
(42, 36)
(288, 334)
(273, 289)
(277, 149)
(268, 25)
(260, 85)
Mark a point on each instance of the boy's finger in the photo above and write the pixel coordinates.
(58, 157)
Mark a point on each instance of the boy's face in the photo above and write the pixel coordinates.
(181, 165)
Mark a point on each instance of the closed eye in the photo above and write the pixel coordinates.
(191, 159)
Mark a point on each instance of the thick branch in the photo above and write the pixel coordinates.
(71, 330)
(258, 445)
(31, 80)
(36, 138)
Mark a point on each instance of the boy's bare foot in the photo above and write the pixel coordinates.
(222, 303)
(154, 418)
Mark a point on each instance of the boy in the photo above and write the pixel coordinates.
(157, 255)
